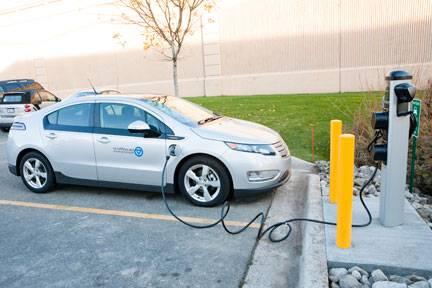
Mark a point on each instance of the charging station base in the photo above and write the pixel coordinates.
(399, 250)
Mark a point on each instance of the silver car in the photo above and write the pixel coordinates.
(14, 104)
(123, 141)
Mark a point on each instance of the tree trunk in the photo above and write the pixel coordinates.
(175, 78)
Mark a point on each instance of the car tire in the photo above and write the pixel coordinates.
(204, 181)
(5, 130)
(37, 173)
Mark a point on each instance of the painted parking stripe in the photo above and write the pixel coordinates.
(120, 213)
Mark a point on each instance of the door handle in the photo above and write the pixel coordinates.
(103, 140)
(51, 136)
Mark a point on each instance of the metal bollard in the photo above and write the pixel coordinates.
(344, 202)
(335, 132)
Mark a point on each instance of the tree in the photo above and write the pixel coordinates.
(165, 24)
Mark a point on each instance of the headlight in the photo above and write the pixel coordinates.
(252, 148)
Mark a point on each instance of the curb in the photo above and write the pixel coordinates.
(313, 271)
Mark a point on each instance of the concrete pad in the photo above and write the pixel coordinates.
(398, 250)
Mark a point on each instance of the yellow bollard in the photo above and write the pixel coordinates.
(344, 202)
(335, 132)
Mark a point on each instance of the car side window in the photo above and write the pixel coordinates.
(72, 118)
(115, 118)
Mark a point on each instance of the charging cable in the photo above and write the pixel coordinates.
(261, 231)
(270, 230)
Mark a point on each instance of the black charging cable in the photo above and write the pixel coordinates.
(272, 228)
(261, 231)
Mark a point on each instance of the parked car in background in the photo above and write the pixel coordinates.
(14, 104)
(18, 85)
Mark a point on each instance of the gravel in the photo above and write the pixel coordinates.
(349, 278)
(422, 203)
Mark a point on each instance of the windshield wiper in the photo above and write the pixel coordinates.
(209, 119)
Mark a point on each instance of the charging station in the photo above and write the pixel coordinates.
(395, 126)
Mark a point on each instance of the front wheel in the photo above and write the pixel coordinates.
(36, 173)
(204, 181)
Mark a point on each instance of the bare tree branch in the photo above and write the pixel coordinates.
(165, 24)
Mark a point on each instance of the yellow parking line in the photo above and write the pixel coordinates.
(120, 213)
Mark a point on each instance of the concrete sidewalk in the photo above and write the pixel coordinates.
(299, 261)
(398, 250)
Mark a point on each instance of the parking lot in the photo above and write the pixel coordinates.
(88, 237)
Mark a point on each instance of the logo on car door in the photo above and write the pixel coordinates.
(138, 151)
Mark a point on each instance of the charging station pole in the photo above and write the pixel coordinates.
(397, 108)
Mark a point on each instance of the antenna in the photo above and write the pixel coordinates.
(91, 84)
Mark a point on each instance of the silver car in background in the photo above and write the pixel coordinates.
(123, 141)
(18, 103)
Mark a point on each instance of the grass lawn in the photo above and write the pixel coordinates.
(293, 116)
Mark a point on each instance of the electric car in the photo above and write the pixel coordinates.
(125, 141)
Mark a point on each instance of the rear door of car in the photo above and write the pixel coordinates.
(68, 140)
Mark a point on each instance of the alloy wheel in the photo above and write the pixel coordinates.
(202, 183)
(35, 173)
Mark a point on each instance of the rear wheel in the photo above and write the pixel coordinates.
(5, 129)
(36, 173)
(204, 181)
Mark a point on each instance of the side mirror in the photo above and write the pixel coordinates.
(139, 127)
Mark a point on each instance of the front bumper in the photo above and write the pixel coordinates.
(248, 192)
(240, 163)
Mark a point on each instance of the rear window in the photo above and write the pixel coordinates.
(13, 99)
(16, 98)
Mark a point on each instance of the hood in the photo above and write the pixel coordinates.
(238, 131)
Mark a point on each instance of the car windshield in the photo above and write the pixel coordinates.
(182, 110)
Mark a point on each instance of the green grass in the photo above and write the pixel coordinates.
(293, 116)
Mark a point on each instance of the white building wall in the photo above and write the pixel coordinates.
(249, 46)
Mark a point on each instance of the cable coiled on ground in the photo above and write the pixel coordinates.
(270, 230)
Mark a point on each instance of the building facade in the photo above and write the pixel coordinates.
(244, 47)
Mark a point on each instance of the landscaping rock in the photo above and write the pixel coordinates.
(400, 279)
(349, 281)
(415, 278)
(372, 190)
(334, 285)
(365, 280)
(356, 274)
(335, 274)
(388, 284)
(420, 284)
(356, 268)
(378, 275)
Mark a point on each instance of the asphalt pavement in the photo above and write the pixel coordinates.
(91, 237)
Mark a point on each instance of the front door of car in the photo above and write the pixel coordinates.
(125, 157)
(68, 141)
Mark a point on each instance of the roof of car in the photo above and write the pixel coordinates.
(17, 80)
(119, 96)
